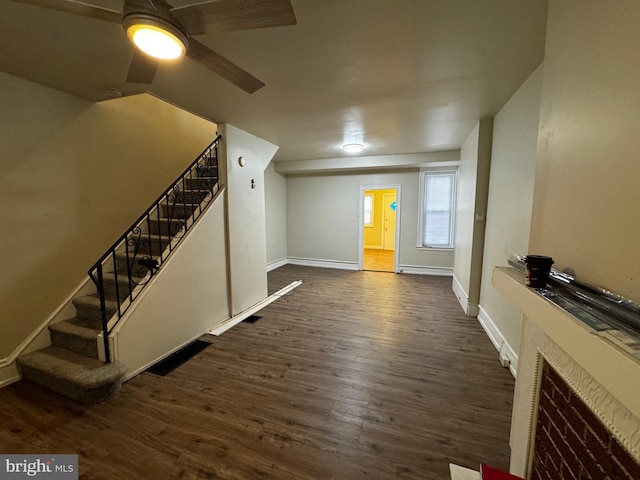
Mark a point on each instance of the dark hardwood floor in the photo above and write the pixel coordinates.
(353, 375)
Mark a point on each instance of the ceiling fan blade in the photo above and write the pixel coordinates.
(148, 4)
(142, 68)
(223, 67)
(77, 8)
(229, 15)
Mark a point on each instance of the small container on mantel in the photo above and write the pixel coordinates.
(537, 268)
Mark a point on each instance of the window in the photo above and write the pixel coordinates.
(368, 210)
(437, 209)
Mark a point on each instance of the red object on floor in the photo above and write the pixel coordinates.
(490, 473)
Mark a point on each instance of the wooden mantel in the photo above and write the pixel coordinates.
(604, 376)
(617, 371)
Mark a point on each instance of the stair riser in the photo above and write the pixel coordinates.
(202, 183)
(178, 210)
(123, 291)
(206, 171)
(70, 389)
(138, 272)
(166, 227)
(92, 313)
(75, 343)
(192, 196)
(153, 247)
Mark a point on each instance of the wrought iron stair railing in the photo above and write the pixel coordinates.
(129, 264)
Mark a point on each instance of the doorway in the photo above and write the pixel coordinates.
(379, 228)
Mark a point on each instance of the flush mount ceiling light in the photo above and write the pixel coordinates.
(353, 147)
(155, 36)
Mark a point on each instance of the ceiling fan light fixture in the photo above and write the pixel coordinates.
(156, 37)
(353, 147)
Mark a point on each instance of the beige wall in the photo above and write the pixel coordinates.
(73, 176)
(246, 215)
(188, 297)
(472, 191)
(275, 214)
(513, 164)
(323, 215)
(587, 189)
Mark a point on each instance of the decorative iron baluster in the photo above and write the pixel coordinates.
(103, 311)
(138, 240)
(115, 276)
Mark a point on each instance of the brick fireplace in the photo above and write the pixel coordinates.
(576, 412)
(571, 443)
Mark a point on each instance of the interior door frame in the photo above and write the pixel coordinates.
(396, 248)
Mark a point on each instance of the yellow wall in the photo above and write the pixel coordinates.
(373, 234)
(587, 186)
(73, 176)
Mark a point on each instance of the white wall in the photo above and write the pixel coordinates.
(73, 176)
(275, 215)
(513, 164)
(587, 195)
(472, 191)
(323, 218)
(247, 245)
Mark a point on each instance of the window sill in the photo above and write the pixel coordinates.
(436, 249)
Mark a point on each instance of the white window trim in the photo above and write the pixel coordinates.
(373, 207)
(423, 173)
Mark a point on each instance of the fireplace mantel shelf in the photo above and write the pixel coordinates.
(614, 369)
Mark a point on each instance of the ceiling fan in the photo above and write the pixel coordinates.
(174, 27)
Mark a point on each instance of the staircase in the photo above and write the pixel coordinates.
(71, 366)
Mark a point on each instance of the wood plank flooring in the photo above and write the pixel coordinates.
(377, 260)
(353, 375)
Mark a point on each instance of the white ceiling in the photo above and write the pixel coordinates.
(399, 76)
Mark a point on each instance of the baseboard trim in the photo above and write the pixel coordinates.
(316, 262)
(499, 342)
(422, 270)
(277, 264)
(8, 373)
(233, 321)
(470, 309)
(148, 365)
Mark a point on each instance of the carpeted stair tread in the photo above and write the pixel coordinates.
(88, 307)
(81, 327)
(178, 209)
(79, 377)
(78, 335)
(166, 226)
(94, 301)
(124, 286)
(70, 366)
(111, 277)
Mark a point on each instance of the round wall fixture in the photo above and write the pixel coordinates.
(242, 162)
